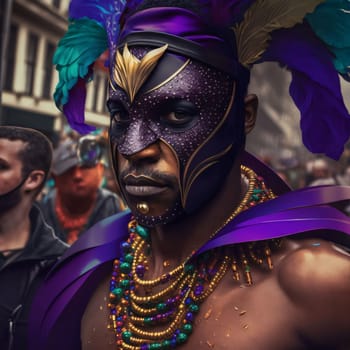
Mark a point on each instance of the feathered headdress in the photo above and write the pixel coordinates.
(291, 32)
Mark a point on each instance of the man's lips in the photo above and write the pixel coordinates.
(144, 190)
(143, 186)
(80, 186)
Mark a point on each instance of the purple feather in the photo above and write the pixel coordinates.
(315, 89)
(224, 13)
(325, 123)
(74, 109)
(99, 10)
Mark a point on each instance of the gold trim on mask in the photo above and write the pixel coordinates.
(199, 169)
(178, 165)
(187, 178)
(111, 83)
(130, 73)
(170, 78)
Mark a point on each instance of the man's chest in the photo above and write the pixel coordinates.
(244, 318)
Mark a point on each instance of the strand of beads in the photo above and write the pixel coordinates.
(134, 317)
(138, 269)
(145, 320)
(256, 193)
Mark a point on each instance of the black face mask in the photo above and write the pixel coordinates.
(10, 199)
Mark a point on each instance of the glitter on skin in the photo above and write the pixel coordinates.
(210, 344)
(208, 313)
(211, 102)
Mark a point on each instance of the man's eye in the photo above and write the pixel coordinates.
(178, 118)
(178, 114)
(120, 117)
(3, 166)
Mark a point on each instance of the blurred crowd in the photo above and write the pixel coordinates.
(82, 189)
(315, 171)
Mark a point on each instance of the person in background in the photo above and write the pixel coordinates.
(28, 246)
(77, 201)
(321, 174)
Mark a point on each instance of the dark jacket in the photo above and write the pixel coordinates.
(107, 204)
(20, 275)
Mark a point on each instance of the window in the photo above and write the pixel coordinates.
(97, 84)
(56, 3)
(48, 70)
(10, 58)
(32, 49)
(104, 95)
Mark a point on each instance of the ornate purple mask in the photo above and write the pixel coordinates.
(180, 102)
(191, 114)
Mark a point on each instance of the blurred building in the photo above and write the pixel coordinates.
(277, 133)
(29, 77)
(277, 128)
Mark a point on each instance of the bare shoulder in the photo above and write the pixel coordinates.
(317, 263)
(315, 275)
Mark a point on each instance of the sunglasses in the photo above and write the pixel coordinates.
(89, 151)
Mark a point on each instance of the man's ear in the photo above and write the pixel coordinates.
(34, 180)
(250, 107)
(100, 170)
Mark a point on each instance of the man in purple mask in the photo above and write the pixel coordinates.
(216, 251)
(28, 246)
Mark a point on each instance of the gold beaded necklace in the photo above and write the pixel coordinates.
(163, 319)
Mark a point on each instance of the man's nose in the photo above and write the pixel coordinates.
(137, 138)
(77, 172)
(149, 154)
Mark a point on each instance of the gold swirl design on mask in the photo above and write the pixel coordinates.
(170, 78)
(200, 168)
(130, 73)
(177, 162)
(187, 178)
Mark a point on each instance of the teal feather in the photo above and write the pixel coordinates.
(342, 60)
(83, 43)
(331, 23)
